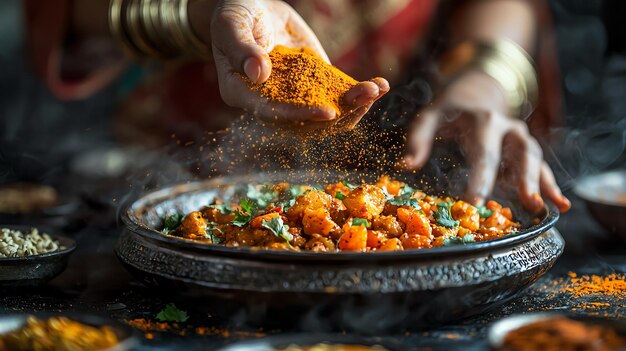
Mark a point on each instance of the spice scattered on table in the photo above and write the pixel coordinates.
(562, 334)
(585, 285)
(58, 334)
(14, 243)
(149, 328)
(300, 77)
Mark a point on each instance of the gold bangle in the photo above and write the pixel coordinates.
(199, 47)
(505, 62)
(150, 29)
(155, 28)
(136, 32)
(116, 27)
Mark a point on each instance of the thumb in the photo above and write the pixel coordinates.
(237, 35)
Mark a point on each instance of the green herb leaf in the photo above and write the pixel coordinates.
(296, 191)
(340, 195)
(443, 216)
(245, 215)
(223, 208)
(407, 191)
(171, 222)
(172, 314)
(404, 201)
(262, 197)
(287, 204)
(350, 186)
(280, 229)
(211, 229)
(484, 212)
(457, 240)
(360, 221)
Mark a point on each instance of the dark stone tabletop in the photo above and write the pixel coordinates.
(96, 282)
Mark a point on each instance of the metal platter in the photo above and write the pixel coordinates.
(369, 293)
(37, 269)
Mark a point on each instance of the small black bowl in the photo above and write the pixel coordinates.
(500, 329)
(303, 340)
(126, 335)
(605, 196)
(34, 270)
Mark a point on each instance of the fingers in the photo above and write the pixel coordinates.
(526, 161)
(359, 100)
(242, 40)
(551, 190)
(484, 157)
(420, 138)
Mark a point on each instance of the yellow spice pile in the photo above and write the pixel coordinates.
(300, 77)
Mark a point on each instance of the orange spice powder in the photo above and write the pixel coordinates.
(300, 77)
(585, 285)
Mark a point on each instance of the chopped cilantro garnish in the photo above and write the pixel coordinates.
(296, 191)
(262, 197)
(360, 221)
(245, 215)
(484, 212)
(223, 208)
(172, 314)
(350, 186)
(280, 229)
(407, 191)
(457, 240)
(443, 216)
(210, 230)
(340, 195)
(171, 222)
(404, 201)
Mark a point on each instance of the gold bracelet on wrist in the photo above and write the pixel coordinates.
(504, 61)
(155, 28)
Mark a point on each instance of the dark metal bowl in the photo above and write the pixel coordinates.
(38, 269)
(363, 292)
(605, 196)
(304, 340)
(500, 329)
(125, 334)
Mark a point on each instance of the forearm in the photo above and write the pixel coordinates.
(90, 19)
(489, 20)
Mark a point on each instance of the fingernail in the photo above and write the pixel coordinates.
(537, 202)
(252, 68)
(566, 204)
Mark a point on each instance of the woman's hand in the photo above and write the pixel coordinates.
(243, 32)
(472, 110)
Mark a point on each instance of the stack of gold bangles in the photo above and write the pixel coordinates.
(155, 28)
(504, 61)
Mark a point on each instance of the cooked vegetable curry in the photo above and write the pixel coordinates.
(384, 216)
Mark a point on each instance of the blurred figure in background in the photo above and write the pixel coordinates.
(78, 48)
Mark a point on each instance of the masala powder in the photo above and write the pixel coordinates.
(301, 78)
(562, 334)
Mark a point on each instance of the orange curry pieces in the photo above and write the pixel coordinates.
(385, 216)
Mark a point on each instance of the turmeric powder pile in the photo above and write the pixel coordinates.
(562, 334)
(585, 285)
(300, 77)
